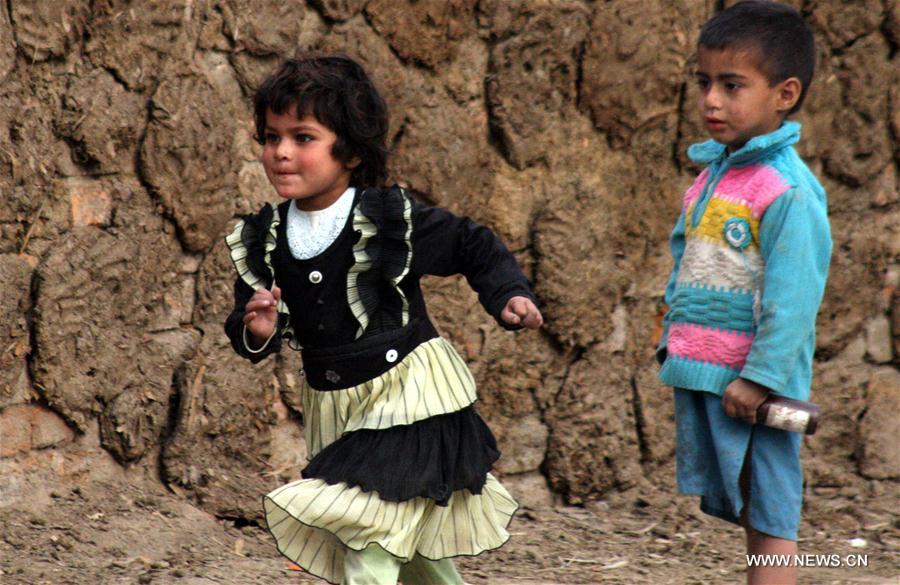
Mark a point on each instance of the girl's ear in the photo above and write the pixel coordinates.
(352, 163)
(789, 92)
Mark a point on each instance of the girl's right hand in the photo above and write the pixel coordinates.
(261, 315)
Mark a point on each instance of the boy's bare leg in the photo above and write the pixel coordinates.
(759, 543)
(763, 544)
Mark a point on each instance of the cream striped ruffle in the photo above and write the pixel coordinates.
(431, 380)
(312, 522)
(407, 216)
(363, 263)
(238, 252)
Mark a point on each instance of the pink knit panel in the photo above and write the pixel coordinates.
(759, 185)
(704, 344)
(694, 190)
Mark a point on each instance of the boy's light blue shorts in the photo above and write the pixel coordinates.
(710, 451)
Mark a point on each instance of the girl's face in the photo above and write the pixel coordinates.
(298, 160)
(735, 100)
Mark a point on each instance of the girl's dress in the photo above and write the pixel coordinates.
(399, 456)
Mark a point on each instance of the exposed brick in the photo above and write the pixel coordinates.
(91, 205)
(15, 430)
(30, 426)
(48, 428)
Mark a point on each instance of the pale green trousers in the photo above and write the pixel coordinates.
(375, 566)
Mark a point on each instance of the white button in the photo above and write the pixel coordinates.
(315, 277)
(391, 355)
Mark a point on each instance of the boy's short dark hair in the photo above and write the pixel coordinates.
(336, 90)
(783, 39)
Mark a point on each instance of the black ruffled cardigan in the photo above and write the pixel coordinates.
(357, 309)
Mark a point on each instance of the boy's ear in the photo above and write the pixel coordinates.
(353, 162)
(789, 92)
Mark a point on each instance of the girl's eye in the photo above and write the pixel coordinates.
(271, 138)
(302, 137)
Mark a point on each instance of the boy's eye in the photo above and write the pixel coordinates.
(302, 137)
(271, 138)
(731, 86)
(702, 83)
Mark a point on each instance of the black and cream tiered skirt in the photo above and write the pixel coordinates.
(401, 461)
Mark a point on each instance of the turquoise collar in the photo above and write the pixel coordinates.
(710, 151)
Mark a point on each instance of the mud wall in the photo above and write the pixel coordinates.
(126, 155)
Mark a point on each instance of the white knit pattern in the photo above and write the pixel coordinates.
(309, 233)
(714, 265)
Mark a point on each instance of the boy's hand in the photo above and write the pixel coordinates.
(261, 315)
(522, 311)
(742, 399)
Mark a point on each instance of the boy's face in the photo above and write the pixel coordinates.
(736, 101)
(299, 163)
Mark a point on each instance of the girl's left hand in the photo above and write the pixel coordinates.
(522, 311)
(742, 399)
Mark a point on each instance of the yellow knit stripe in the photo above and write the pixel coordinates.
(719, 211)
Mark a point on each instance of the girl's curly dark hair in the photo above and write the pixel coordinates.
(336, 90)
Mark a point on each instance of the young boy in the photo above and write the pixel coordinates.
(751, 252)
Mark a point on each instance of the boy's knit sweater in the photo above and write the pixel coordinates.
(751, 251)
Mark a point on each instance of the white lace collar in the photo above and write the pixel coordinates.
(309, 233)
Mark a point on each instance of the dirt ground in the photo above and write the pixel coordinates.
(78, 520)
(134, 443)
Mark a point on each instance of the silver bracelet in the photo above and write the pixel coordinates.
(247, 343)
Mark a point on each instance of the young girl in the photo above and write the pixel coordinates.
(751, 251)
(398, 482)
